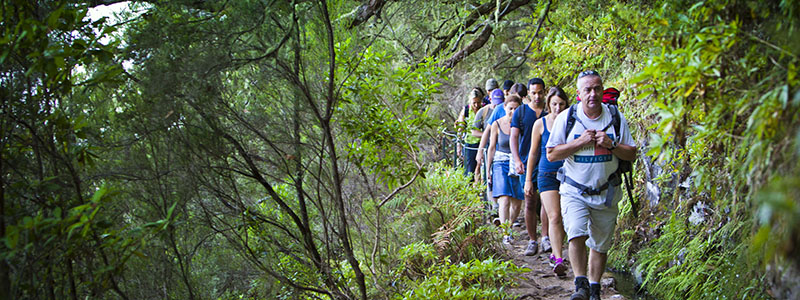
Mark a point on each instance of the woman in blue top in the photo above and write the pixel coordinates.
(507, 190)
(548, 184)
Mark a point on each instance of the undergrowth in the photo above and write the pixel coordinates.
(429, 276)
(444, 252)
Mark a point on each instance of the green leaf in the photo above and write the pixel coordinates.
(12, 236)
(98, 195)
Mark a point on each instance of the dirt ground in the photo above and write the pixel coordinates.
(541, 282)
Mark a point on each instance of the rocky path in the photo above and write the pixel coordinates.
(541, 282)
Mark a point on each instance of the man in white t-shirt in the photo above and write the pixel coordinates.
(588, 204)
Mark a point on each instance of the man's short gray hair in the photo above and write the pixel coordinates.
(586, 73)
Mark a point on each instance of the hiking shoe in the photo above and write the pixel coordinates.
(516, 224)
(532, 249)
(559, 268)
(594, 291)
(546, 244)
(581, 289)
(508, 240)
(496, 222)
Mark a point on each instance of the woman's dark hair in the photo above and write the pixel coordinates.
(507, 84)
(556, 91)
(519, 89)
(513, 98)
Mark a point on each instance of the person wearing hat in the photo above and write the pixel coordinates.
(491, 85)
(482, 128)
(483, 123)
(498, 113)
(498, 97)
(507, 87)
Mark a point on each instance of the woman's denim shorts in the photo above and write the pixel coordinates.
(548, 181)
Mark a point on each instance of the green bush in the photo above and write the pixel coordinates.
(436, 278)
(445, 209)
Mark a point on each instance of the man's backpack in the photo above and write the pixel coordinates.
(625, 168)
(610, 96)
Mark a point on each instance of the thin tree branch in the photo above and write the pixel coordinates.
(530, 43)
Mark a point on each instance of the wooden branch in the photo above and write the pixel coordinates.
(461, 36)
(471, 19)
(476, 44)
(530, 43)
(365, 11)
(95, 3)
(482, 38)
(328, 135)
(538, 26)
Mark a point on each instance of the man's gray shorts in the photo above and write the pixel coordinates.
(581, 219)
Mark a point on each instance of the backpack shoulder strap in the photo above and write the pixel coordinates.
(570, 120)
(615, 120)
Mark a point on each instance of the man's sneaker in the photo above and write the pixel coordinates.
(508, 240)
(594, 291)
(581, 289)
(559, 268)
(532, 249)
(546, 244)
(516, 224)
(496, 222)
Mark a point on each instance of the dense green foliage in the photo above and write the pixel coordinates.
(712, 95)
(277, 149)
(474, 279)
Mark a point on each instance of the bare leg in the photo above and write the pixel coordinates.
(597, 264)
(503, 211)
(543, 217)
(551, 202)
(530, 215)
(577, 255)
(515, 205)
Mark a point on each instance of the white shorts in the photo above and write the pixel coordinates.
(581, 219)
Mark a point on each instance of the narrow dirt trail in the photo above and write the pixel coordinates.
(541, 282)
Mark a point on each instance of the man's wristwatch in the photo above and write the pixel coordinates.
(613, 145)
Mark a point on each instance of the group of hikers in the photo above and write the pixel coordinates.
(562, 160)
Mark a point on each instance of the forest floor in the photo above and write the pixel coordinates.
(541, 282)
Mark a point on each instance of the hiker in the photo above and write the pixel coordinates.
(506, 189)
(491, 85)
(497, 113)
(481, 126)
(547, 183)
(475, 102)
(521, 125)
(520, 90)
(507, 87)
(591, 149)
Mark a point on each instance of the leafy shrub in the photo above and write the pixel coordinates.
(446, 253)
(447, 208)
(475, 279)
